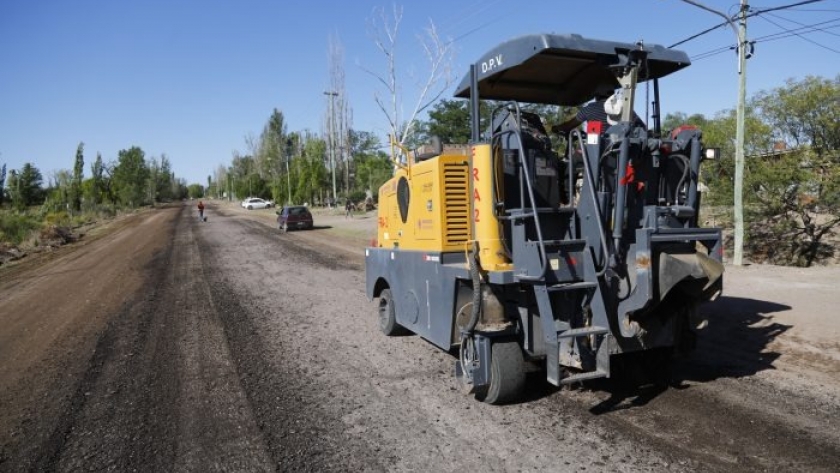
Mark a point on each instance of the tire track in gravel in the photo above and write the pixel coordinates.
(161, 393)
(300, 434)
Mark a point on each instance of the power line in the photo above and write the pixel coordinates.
(713, 52)
(698, 35)
(455, 21)
(757, 12)
(802, 24)
(784, 7)
(805, 29)
(478, 28)
(799, 35)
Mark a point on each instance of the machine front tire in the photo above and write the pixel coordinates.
(507, 374)
(388, 315)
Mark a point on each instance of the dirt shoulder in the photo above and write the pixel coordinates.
(53, 311)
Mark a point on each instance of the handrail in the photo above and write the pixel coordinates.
(395, 144)
(537, 226)
(591, 185)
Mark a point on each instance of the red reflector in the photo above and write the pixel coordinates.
(593, 127)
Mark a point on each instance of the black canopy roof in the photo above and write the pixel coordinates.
(560, 69)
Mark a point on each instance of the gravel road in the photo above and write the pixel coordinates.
(168, 344)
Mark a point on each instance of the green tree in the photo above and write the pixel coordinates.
(373, 167)
(152, 179)
(195, 191)
(373, 170)
(449, 120)
(2, 183)
(163, 183)
(59, 191)
(97, 187)
(179, 188)
(804, 113)
(312, 183)
(795, 198)
(272, 146)
(75, 193)
(25, 187)
(130, 176)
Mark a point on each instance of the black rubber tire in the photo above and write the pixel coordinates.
(507, 374)
(250, 207)
(388, 315)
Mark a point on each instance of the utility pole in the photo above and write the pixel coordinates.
(288, 173)
(741, 34)
(331, 127)
(738, 254)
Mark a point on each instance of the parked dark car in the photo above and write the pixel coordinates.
(294, 217)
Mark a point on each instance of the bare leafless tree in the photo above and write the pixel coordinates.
(384, 30)
(338, 136)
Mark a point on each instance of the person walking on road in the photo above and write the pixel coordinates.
(201, 210)
(348, 209)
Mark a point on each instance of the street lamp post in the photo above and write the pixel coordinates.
(331, 127)
(288, 173)
(741, 34)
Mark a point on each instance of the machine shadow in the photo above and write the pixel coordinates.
(734, 345)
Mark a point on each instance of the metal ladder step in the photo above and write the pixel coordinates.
(580, 243)
(572, 286)
(523, 213)
(575, 378)
(582, 332)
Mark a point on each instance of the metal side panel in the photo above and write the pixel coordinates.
(422, 287)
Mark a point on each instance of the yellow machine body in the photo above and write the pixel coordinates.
(426, 206)
(442, 204)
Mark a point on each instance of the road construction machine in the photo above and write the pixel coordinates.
(512, 255)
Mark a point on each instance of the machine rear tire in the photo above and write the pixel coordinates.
(507, 374)
(388, 315)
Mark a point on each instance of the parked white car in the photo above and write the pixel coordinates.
(252, 203)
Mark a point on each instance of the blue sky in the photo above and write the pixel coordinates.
(191, 79)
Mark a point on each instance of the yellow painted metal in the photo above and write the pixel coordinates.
(492, 254)
(438, 211)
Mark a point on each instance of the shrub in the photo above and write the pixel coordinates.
(16, 228)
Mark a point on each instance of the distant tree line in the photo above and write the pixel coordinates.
(129, 182)
(295, 167)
